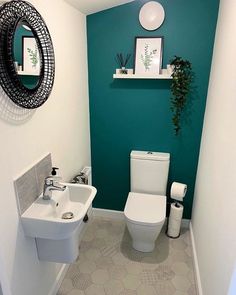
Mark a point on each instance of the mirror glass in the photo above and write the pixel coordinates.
(26, 55)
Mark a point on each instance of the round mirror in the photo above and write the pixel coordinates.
(27, 63)
(27, 55)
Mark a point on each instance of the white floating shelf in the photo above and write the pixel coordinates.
(24, 73)
(137, 76)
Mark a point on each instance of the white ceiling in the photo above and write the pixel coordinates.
(92, 6)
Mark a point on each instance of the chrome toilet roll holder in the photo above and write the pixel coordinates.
(177, 193)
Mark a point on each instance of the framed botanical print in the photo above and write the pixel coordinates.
(148, 55)
(30, 58)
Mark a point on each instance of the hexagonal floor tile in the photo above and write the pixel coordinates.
(178, 244)
(128, 292)
(95, 290)
(113, 287)
(101, 233)
(192, 290)
(84, 245)
(117, 272)
(109, 250)
(148, 263)
(146, 290)
(164, 272)
(119, 259)
(131, 282)
(180, 268)
(148, 277)
(92, 254)
(81, 281)
(72, 271)
(104, 262)
(108, 264)
(99, 243)
(191, 277)
(179, 256)
(165, 288)
(188, 251)
(88, 236)
(179, 293)
(181, 283)
(87, 266)
(133, 268)
(66, 287)
(75, 292)
(100, 276)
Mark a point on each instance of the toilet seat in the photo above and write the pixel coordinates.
(145, 209)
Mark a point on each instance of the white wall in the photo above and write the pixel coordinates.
(60, 126)
(214, 211)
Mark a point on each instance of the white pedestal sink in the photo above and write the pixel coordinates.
(57, 239)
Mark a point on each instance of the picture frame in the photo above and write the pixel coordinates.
(148, 55)
(30, 55)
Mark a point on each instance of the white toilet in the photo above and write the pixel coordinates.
(145, 208)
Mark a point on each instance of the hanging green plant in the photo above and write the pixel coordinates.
(180, 88)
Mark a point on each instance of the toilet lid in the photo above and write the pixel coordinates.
(145, 208)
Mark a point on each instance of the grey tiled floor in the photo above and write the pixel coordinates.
(108, 265)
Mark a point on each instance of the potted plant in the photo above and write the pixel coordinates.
(180, 88)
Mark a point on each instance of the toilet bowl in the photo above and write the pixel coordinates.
(145, 208)
(145, 216)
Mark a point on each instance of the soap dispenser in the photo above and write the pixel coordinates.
(54, 171)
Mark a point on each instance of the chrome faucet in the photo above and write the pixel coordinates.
(51, 184)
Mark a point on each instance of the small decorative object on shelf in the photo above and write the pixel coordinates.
(170, 69)
(122, 61)
(180, 88)
(16, 65)
(129, 71)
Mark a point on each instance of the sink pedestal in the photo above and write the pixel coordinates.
(61, 251)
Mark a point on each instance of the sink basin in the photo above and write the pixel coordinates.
(43, 219)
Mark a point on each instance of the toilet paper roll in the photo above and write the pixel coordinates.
(175, 219)
(178, 191)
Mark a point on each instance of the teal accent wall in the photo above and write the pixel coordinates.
(29, 81)
(135, 114)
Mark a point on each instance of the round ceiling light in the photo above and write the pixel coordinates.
(151, 15)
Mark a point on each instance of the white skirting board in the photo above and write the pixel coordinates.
(106, 213)
(196, 265)
(59, 279)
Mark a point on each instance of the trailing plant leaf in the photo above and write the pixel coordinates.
(180, 88)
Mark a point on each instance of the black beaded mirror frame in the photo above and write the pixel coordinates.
(11, 13)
